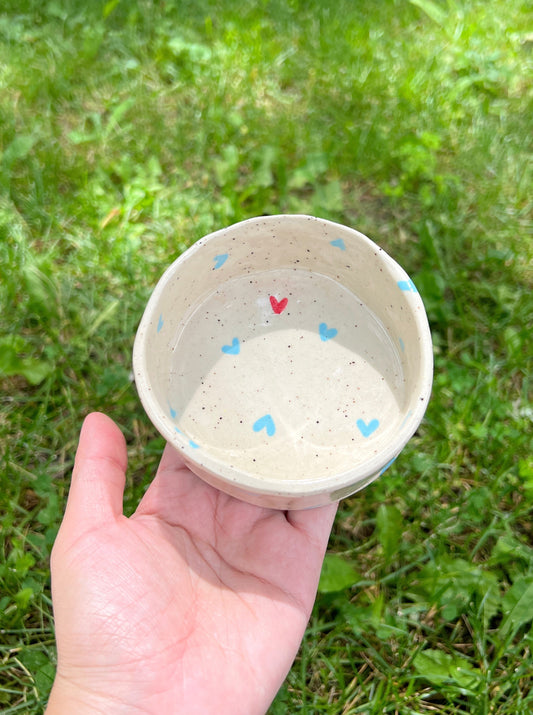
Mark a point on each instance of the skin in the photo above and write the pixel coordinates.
(195, 604)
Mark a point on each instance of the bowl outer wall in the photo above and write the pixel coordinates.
(287, 494)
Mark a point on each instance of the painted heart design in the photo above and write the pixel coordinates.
(367, 429)
(192, 444)
(408, 286)
(384, 469)
(339, 243)
(326, 333)
(220, 260)
(278, 306)
(160, 323)
(233, 349)
(267, 423)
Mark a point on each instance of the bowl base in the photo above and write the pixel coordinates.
(285, 374)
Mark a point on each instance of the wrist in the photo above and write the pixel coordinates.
(66, 698)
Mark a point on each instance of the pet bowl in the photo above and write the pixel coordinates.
(287, 358)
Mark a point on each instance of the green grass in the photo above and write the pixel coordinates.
(130, 129)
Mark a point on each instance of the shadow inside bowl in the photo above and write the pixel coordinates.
(285, 374)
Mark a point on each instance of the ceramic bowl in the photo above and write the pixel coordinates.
(288, 358)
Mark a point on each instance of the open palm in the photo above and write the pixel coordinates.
(195, 604)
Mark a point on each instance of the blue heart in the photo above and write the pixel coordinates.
(191, 443)
(160, 323)
(408, 286)
(384, 469)
(265, 422)
(339, 243)
(233, 349)
(326, 333)
(367, 429)
(220, 260)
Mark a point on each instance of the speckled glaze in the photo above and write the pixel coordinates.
(288, 358)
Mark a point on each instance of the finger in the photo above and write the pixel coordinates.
(173, 483)
(316, 523)
(171, 461)
(99, 474)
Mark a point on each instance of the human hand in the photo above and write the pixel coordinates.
(195, 604)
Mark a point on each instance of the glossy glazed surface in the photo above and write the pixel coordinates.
(288, 357)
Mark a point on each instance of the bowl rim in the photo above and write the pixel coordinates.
(220, 473)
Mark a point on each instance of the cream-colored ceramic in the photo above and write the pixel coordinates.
(288, 358)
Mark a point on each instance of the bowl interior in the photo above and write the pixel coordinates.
(285, 350)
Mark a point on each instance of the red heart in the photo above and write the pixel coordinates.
(278, 306)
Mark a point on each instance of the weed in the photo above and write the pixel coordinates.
(129, 130)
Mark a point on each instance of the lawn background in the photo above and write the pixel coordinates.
(130, 129)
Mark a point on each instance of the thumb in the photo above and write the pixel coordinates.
(99, 474)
